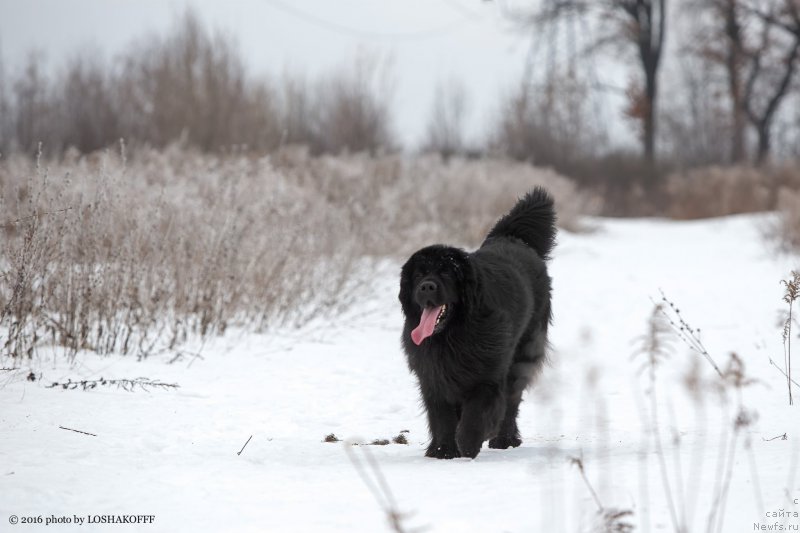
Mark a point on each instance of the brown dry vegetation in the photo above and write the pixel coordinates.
(133, 256)
(719, 191)
(788, 230)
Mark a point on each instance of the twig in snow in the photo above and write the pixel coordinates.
(125, 384)
(611, 517)
(179, 354)
(782, 437)
(243, 447)
(78, 431)
(577, 461)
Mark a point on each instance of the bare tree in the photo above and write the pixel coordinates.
(549, 124)
(87, 111)
(6, 128)
(719, 41)
(299, 112)
(772, 62)
(445, 129)
(694, 123)
(756, 43)
(355, 107)
(733, 59)
(641, 23)
(33, 108)
(193, 84)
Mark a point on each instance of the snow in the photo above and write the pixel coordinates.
(173, 453)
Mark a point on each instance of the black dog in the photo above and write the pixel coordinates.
(476, 328)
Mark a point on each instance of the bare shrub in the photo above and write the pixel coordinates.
(716, 191)
(420, 200)
(132, 258)
(460, 201)
(549, 125)
(109, 255)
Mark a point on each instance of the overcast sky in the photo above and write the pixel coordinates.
(427, 40)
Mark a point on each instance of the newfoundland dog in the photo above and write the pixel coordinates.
(475, 329)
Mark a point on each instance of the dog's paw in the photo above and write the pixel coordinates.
(469, 443)
(501, 442)
(442, 452)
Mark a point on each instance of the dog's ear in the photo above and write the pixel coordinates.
(405, 287)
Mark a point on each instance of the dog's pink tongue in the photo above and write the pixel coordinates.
(426, 324)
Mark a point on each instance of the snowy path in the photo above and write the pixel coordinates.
(173, 454)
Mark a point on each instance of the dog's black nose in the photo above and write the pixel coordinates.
(427, 293)
(427, 287)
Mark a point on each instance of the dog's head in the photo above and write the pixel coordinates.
(435, 284)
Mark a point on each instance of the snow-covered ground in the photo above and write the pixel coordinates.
(172, 454)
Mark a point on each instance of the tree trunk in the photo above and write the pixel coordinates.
(737, 135)
(733, 63)
(651, 91)
(763, 142)
(650, 19)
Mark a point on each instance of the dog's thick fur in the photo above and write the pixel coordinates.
(492, 311)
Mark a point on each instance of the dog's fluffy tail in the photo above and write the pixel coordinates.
(532, 220)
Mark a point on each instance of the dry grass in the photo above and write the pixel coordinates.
(109, 255)
(719, 191)
(787, 230)
(729, 382)
(790, 296)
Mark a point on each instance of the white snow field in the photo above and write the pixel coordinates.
(172, 454)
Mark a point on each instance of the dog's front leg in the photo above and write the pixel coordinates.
(481, 413)
(442, 420)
